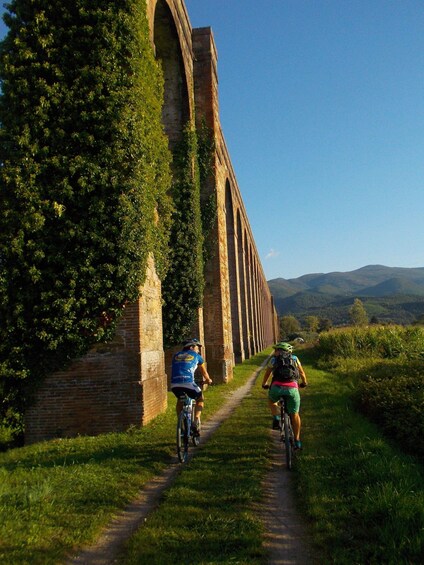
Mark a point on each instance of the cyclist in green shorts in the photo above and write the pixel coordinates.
(286, 371)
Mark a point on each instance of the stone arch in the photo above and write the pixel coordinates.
(255, 301)
(176, 107)
(233, 273)
(250, 292)
(243, 287)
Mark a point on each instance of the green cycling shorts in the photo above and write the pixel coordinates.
(293, 401)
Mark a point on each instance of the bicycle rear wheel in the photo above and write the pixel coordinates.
(182, 437)
(288, 441)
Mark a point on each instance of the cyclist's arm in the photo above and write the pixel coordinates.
(204, 374)
(302, 373)
(266, 375)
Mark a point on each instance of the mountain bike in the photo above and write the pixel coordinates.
(285, 429)
(286, 432)
(184, 428)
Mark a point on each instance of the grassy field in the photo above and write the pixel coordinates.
(385, 366)
(362, 497)
(55, 496)
(209, 514)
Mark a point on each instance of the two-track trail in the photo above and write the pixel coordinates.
(286, 538)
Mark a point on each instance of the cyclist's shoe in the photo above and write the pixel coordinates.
(195, 430)
(297, 444)
(275, 423)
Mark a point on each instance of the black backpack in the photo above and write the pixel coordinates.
(285, 369)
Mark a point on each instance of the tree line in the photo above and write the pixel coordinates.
(290, 326)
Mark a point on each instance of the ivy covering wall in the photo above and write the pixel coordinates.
(191, 243)
(182, 288)
(84, 179)
(208, 205)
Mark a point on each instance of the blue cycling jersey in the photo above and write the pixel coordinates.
(184, 365)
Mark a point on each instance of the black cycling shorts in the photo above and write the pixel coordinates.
(192, 390)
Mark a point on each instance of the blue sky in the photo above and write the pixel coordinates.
(322, 109)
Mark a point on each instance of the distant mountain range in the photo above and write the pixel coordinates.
(389, 294)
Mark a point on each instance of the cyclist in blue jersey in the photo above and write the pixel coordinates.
(184, 365)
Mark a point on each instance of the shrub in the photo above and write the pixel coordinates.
(386, 370)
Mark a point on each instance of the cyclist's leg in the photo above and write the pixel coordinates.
(273, 398)
(178, 392)
(200, 404)
(182, 437)
(274, 408)
(296, 423)
(194, 391)
(293, 406)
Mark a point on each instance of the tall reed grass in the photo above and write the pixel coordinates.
(385, 366)
(386, 342)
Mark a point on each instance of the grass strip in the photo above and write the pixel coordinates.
(57, 495)
(209, 515)
(364, 498)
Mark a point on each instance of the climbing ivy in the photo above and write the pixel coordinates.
(184, 283)
(84, 176)
(205, 152)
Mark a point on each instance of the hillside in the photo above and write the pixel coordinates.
(391, 294)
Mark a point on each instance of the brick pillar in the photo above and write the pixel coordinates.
(114, 386)
(216, 307)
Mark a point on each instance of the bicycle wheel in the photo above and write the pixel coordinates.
(288, 441)
(182, 437)
(281, 422)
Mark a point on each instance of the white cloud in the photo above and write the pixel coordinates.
(272, 254)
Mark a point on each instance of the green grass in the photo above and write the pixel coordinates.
(56, 495)
(363, 497)
(209, 514)
(385, 366)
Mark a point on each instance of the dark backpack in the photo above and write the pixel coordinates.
(285, 369)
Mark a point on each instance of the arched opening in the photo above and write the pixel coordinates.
(176, 106)
(250, 302)
(176, 112)
(232, 271)
(243, 286)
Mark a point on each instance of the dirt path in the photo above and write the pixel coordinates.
(286, 538)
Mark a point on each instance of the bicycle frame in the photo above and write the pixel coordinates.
(184, 424)
(286, 432)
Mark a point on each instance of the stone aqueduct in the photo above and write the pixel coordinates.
(124, 382)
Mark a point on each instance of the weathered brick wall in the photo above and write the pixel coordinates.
(116, 385)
